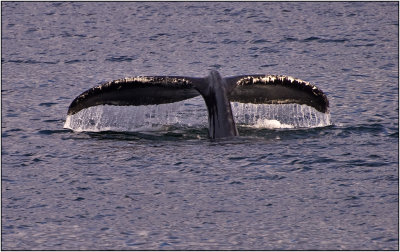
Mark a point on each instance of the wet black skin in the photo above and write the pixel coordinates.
(220, 118)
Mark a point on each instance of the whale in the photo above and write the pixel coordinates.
(217, 92)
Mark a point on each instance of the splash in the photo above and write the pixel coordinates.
(192, 113)
(137, 118)
(278, 116)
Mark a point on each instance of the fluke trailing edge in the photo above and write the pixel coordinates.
(217, 92)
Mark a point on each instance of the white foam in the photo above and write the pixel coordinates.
(270, 124)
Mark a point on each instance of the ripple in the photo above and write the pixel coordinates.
(47, 104)
(120, 58)
(32, 61)
(51, 132)
(267, 177)
(311, 39)
(73, 61)
(260, 41)
(322, 40)
(366, 128)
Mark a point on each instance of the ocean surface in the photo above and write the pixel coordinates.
(138, 178)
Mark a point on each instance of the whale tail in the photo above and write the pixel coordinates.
(257, 89)
(217, 92)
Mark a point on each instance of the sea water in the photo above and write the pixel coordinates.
(129, 178)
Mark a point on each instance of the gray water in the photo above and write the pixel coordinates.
(326, 187)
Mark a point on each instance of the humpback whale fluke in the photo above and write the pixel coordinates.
(216, 91)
